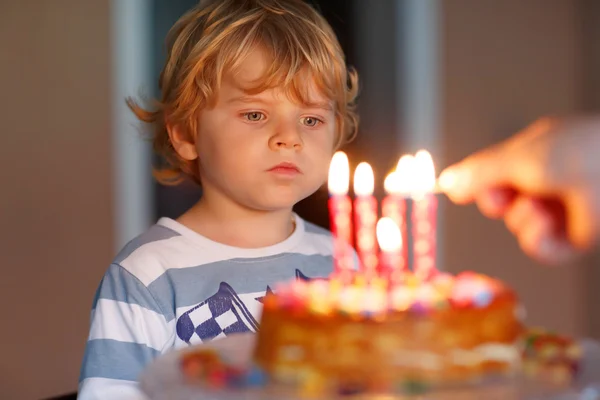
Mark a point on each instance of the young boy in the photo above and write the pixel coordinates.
(256, 97)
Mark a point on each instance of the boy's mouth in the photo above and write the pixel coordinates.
(286, 168)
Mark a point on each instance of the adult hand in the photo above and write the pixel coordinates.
(544, 182)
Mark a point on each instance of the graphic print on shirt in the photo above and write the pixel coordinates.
(260, 299)
(301, 276)
(221, 314)
(224, 313)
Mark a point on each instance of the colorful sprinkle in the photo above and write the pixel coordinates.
(256, 377)
(420, 308)
(413, 387)
(351, 388)
(550, 357)
(482, 298)
(371, 296)
(217, 378)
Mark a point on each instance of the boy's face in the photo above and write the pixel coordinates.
(264, 151)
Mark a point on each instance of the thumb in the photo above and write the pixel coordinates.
(486, 169)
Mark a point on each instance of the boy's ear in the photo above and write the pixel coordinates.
(182, 142)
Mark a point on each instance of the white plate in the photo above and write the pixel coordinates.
(163, 380)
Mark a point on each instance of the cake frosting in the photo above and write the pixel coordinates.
(322, 335)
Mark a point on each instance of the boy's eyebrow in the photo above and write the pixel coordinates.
(325, 105)
(246, 99)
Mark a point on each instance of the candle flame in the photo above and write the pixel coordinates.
(400, 180)
(423, 172)
(364, 181)
(388, 235)
(391, 184)
(405, 164)
(339, 174)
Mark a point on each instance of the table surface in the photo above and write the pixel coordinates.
(163, 380)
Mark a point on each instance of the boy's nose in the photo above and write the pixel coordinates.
(287, 138)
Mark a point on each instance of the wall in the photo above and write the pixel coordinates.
(591, 91)
(55, 208)
(507, 63)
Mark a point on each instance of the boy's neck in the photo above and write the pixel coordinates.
(233, 225)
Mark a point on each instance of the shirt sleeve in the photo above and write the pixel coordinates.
(128, 330)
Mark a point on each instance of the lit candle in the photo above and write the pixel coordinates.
(365, 217)
(397, 187)
(340, 212)
(424, 215)
(390, 242)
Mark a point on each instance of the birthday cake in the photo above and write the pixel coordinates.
(322, 336)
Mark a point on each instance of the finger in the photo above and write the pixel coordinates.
(582, 217)
(555, 250)
(495, 202)
(539, 239)
(463, 181)
(533, 232)
(540, 230)
(518, 214)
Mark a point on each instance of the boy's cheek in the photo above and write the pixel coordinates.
(323, 170)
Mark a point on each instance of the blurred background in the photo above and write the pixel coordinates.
(451, 76)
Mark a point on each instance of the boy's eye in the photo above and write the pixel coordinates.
(254, 116)
(311, 121)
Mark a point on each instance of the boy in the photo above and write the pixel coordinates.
(255, 99)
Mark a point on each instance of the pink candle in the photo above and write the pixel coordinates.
(424, 235)
(390, 243)
(397, 187)
(424, 216)
(340, 212)
(365, 217)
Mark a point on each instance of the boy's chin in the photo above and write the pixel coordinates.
(279, 202)
(277, 205)
(280, 198)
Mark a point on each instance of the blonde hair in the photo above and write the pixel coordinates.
(215, 36)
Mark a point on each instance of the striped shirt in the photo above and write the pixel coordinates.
(171, 287)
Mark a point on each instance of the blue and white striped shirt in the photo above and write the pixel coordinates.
(171, 287)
